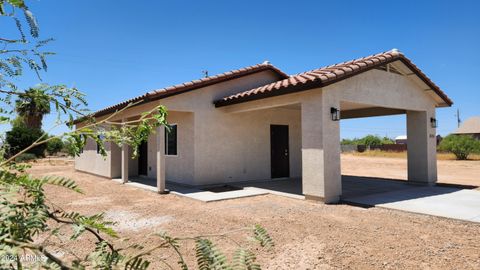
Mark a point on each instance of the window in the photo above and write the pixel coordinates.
(171, 141)
(100, 138)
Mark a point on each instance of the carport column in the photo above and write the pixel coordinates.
(161, 159)
(422, 147)
(321, 176)
(125, 159)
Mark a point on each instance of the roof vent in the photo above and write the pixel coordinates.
(266, 62)
(395, 50)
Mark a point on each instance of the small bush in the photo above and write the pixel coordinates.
(54, 146)
(25, 157)
(460, 145)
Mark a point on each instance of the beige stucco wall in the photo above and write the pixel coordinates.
(236, 147)
(179, 168)
(233, 147)
(92, 162)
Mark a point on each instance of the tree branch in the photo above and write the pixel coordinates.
(41, 249)
(92, 231)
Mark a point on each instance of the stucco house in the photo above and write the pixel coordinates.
(470, 127)
(258, 123)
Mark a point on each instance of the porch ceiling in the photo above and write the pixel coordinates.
(349, 110)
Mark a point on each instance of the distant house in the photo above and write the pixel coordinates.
(402, 139)
(470, 127)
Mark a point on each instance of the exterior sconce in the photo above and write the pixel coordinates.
(335, 113)
(434, 122)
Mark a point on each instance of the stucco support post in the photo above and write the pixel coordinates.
(161, 160)
(321, 176)
(125, 159)
(422, 147)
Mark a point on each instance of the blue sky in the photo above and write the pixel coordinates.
(114, 50)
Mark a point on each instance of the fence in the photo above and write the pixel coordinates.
(384, 147)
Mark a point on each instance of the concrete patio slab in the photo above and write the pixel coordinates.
(449, 202)
(446, 202)
(208, 196)
(193, 192)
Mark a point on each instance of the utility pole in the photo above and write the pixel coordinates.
(205, 73)
(458, 118)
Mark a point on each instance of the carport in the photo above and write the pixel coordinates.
(382, 84)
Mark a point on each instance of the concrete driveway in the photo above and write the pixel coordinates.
(449, 202)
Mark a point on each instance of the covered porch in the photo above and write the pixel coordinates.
(377, 92)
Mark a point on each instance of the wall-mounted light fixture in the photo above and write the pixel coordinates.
(335, 113)
(433, 122)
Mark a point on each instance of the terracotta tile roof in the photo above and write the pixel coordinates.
(188, 86)
(327, 75)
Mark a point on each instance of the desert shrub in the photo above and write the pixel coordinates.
(371, 140)
(387, 140)
(54, 146)
(460, 145)
(21, 137)
(25, 157)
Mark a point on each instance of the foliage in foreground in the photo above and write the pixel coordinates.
(460, 145)
(25, 217)
(30, 224)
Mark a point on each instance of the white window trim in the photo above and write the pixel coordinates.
(166, 141)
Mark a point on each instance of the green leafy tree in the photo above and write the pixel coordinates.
(54, 146)
(460, 145)
(28, 220)
(371, 140)
(21, 137)
(387, 140)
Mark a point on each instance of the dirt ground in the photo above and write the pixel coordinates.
(308, 235)
(465, 172)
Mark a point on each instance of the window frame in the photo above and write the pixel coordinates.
(166, 140)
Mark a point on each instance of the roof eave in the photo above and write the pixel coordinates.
(153, 96)
(316, 84)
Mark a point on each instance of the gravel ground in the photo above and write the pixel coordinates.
(464, 172)
(307, 235)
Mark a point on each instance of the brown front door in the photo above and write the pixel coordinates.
(279, 151)
(143, 159)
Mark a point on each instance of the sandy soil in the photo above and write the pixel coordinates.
(449, 171)
(307, 235)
